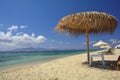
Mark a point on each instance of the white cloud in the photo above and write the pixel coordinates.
(12, 28)
(19, 40)
(19, 33)
(26, 39)
(15, 27)
(5, 36)
(22, 27)
(114, 41)
(33, 35)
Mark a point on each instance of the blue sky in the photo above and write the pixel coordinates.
(31, 23)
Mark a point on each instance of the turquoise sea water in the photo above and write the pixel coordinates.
(15, 58)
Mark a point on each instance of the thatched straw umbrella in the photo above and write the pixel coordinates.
(87, 22)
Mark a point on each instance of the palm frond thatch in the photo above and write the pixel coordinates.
(96, 22)
(87, 22)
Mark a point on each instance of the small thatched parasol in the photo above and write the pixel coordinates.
(87, 22)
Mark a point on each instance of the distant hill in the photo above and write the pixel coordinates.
(37, 49)
(33, 49)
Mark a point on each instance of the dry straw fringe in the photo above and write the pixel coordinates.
(95, 22)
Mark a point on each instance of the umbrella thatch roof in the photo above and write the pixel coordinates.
(96, 23)
(87, 22)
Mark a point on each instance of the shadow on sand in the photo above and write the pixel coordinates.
(109, 65)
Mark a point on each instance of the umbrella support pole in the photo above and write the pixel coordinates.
(87, 43)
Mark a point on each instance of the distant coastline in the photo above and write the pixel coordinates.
(44, 49)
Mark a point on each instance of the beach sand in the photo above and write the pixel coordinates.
(69, 68)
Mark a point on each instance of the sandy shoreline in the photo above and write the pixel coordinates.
(18, 66)
(69, 68)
